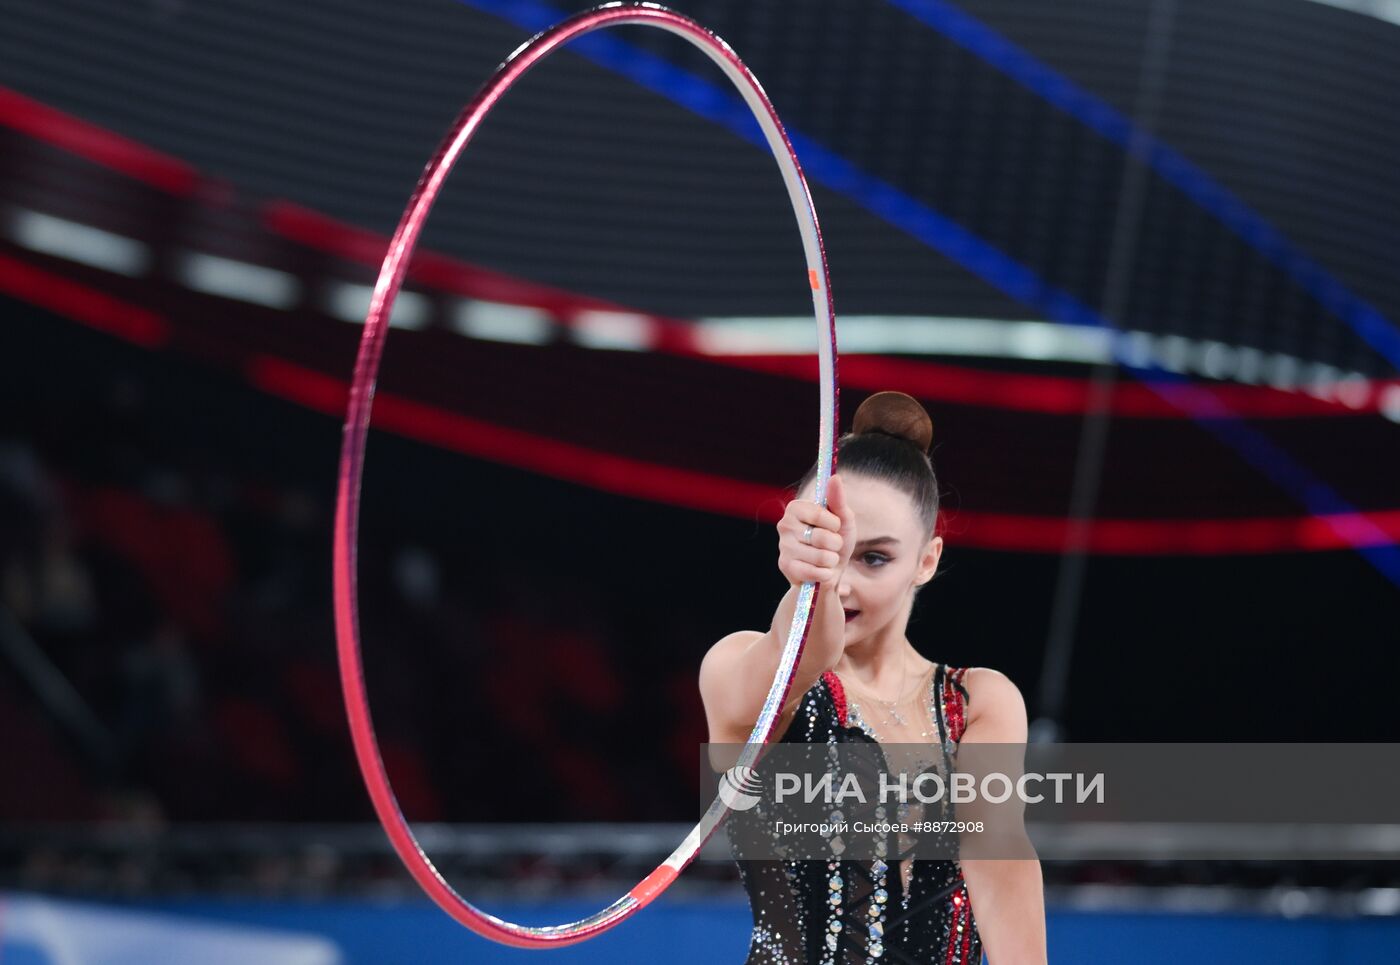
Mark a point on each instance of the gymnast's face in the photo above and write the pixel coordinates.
(891, 559)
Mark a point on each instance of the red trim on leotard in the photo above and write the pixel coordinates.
(952, 932)
(953, 704)
(838, 694)
(959, 943)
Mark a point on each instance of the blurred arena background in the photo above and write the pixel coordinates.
(1044, 220)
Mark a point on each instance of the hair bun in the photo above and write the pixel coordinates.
(895, 414)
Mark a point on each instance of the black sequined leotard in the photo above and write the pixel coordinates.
(811, 912)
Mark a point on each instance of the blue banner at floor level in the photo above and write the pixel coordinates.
(37, 930)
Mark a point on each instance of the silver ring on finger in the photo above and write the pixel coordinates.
(807, 535)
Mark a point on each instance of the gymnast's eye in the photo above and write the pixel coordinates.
(874, 559)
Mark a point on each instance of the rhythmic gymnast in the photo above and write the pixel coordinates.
(860, 679)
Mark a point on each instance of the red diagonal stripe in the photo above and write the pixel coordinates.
(97, 144)
(93, 308)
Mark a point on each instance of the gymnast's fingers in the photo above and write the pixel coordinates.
(800, 552)
(804, 513)
(798, 573)
(822, 539)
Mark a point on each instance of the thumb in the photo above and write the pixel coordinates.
(835, 496)
(836, 503)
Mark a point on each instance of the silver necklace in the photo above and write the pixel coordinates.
(891, 707)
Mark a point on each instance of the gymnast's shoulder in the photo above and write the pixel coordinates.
(725, 654)
(730, 687)
(996, 711)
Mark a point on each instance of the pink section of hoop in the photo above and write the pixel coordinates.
(346, 600)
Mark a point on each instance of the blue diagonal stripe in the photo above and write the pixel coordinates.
(976, 37)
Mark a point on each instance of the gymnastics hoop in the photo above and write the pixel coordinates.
(357, 418)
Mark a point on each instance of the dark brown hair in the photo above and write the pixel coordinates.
(889, 440)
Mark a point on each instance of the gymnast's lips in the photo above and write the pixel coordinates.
(851, 614)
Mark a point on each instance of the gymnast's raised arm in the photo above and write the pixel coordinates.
(738, 671)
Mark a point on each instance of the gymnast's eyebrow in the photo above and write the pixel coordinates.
(879, 541)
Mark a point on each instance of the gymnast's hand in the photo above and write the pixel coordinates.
(824, 559)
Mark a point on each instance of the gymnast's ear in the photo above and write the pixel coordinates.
(928, 562)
